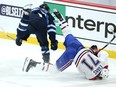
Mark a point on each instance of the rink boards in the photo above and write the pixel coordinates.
(91, 25)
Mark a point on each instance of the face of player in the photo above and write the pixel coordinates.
(95, 50)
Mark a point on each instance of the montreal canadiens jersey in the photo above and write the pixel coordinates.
(89, 64)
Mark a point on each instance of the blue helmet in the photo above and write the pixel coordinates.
(45, 6)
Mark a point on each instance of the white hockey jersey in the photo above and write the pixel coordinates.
(103, 57)
(90, 65)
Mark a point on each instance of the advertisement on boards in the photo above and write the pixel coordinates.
(88, 23)
(91, 25)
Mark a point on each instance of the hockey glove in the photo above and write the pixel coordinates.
(27, 9)
(18, 41)
(54, 45)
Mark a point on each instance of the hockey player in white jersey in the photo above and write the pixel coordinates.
(88, 61)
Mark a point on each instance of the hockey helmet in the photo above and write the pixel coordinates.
(45, 6)
(104, 74)
(94, 49)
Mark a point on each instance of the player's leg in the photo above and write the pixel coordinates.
(62, 23)
(22, 31)
(70, 40)
(65, 59)
(44, 50)
(43, 41)
(39, 28)
(73, 45)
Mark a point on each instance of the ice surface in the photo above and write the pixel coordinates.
(11, 74)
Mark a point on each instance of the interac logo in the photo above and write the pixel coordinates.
(11, 11)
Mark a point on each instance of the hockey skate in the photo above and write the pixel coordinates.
(62, 22)
(46, 66)
(29, 63)
(46, 63)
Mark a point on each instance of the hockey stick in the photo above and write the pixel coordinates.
(4, 34)
(109, 41)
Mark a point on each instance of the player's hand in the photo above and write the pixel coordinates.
(54, 45)
(18, 41)
(27, 9)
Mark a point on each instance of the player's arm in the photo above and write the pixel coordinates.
(22, 33)
(51, 29)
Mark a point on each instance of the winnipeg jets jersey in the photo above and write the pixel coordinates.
(90, 65)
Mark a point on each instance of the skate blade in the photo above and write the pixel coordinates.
(26, 62)
(46, 66)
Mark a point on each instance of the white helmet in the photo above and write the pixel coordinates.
(104, 74)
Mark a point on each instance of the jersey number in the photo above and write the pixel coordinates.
(90, 65)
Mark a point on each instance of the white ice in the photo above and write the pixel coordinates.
(11, 75)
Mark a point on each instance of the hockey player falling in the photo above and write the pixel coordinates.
(85, 61)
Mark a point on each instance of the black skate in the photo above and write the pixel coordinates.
(46, 58)
(29, 63)
(58, 15)
(63, 23)
(46, 63)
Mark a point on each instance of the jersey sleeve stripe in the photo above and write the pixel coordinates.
(66, 65)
